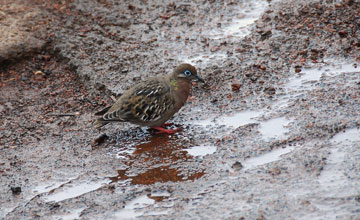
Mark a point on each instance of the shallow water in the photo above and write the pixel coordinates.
(74, 189)
(201, 150)
(266, 158)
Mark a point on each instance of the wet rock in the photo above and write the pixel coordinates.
(357, 198)
(270, 90)
(276, 171)
(237, 166)
(297, 69)
(16, 190)
(54, 206)
(216, 100)
(100, 139)
(235, 87)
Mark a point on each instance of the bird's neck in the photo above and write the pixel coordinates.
(181, 88)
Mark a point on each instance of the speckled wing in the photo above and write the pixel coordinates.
(144, 103)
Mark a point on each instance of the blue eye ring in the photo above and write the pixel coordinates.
(187, 73)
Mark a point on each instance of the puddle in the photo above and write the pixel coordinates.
(73, 190)
(50, 186)
(161, 154)
(201, 150)
(350, 135)
(332, 176)
(159, 146)
(136, 207)
(238, 28)
(122, 153)
(304, 82)
(266, 158)
(156, 146)
(156, 175)
(336, 67)
(203, 58)
(274, 128)
(238, 119)
(310, 76)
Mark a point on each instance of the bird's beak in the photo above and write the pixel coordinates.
(198, 77)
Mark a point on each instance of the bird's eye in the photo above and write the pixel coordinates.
(187, 73)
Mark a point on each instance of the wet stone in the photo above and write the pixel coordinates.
(237, 166)
(16, 190)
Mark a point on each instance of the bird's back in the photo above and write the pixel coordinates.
(148, 103)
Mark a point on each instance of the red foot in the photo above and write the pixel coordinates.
(161, 130)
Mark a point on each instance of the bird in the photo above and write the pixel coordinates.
(154, 101)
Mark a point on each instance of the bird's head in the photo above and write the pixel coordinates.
(187, 72)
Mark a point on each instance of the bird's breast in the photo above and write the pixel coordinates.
(181, 92)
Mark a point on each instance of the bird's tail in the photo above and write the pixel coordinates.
(99, 123)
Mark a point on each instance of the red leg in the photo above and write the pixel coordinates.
(161, 130)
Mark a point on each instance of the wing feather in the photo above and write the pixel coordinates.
(146, 102)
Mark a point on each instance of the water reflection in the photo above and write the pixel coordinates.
(161, 154)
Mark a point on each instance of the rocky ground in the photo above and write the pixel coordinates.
(273, 134)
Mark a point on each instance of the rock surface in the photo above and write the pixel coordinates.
(274, 134)
(22, 29)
